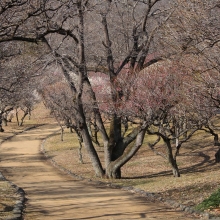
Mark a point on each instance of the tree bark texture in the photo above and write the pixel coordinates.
(171, 159)
(114, 169)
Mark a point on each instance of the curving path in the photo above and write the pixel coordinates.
(54, 195)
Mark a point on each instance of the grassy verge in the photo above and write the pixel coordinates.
(212, 202)
(7, 199)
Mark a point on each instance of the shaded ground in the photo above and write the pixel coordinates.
(200, 175)
(7, 199)
(53, 195)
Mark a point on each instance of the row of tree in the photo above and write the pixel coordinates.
(17, 81)
(149, 63)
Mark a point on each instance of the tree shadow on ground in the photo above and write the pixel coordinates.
(202, 166)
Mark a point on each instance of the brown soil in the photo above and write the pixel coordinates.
(53, 195)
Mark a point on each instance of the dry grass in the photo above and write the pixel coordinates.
(7, 199)
(200, 175)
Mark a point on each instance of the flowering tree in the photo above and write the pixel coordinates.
(117, 39)
(181, 109)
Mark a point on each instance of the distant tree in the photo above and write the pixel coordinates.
(19, 68)
(196, 25)
(59, 99)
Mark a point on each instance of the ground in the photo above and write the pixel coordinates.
(52, 194)
(199, 172)
(200, 175)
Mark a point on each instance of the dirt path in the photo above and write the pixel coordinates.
(53, 195)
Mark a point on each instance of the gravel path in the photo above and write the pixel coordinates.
(54, 195)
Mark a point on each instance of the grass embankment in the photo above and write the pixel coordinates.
(7, 199)
(200, 175)
(210, 203)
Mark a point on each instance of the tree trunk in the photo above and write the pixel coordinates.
(177, 140)
(93, 133)
(23, 117)
(61, 133)
(216, 141)
(29, 114)
(212, 132)
(1, 129)
(175, 168)
(113, 171)
(114, 140)
(100, 124)
(78, 90)
(217, 156)
(125, 123)
(80, 140)
(185, 128)
(92, 152)
(171, 159)
(16, 113)
(80, 151)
